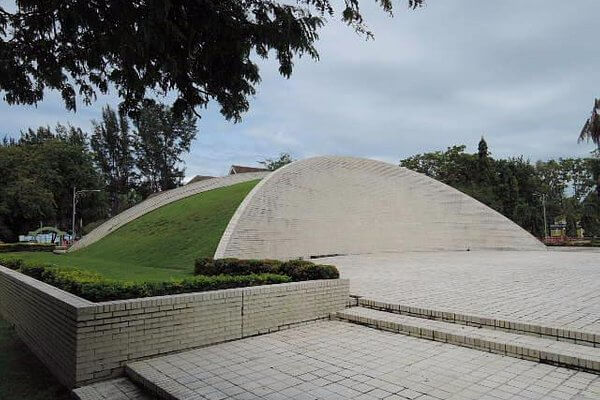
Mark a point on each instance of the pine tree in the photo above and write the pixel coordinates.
(160, 139)
(113, 153)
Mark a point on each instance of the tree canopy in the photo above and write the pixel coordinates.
(591, 128)
(39, 172)
(275, 163)
(202, 50)
(514, 186)
(41, 169)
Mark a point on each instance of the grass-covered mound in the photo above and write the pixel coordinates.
(160, 245)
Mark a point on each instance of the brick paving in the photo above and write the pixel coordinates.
(338, 360)
(553, 288)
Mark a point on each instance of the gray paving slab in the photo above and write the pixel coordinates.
(338, 360)
(549, 288)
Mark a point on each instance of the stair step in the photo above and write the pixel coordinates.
(157, 383)
(511, 344)
(114, 389)
(526, 328)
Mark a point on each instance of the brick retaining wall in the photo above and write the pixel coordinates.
(82, 342)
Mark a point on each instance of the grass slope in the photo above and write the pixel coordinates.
(22, 376)
(159, 245)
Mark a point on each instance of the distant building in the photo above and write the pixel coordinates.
(199, 178)
(240, 169)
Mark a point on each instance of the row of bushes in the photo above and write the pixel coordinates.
(298, 270)
(94, 287)
(14, 247)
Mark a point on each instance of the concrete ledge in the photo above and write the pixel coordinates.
(555, 333)
(83, 342)
(114, 389)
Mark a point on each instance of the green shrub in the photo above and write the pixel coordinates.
(11, 263)
(14, 247)
(297, 270)
(234, 266)
(308, 271)
(92, 286)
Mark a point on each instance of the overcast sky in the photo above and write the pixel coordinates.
(522, 73)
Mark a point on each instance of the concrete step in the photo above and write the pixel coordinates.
(550, 332)
(157, 383)
(511, 344)
(114, 389)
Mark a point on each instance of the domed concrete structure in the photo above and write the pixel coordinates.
(346, 205)
(343, 205)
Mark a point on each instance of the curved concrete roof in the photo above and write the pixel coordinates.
(160, 200)
(345, 205)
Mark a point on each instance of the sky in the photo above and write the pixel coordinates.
(523, 74)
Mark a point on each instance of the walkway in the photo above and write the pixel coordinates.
(554, 288)
(337, 360)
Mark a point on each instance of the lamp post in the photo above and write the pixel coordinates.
(76, 195)
(545, 220)
(543, 197)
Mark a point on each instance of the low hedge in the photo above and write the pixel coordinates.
(11, 263)
(298, 270)
(14, 247)
(92, 286)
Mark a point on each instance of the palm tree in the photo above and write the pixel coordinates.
(591, 129)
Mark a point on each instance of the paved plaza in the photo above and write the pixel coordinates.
(551, 288)
(344, 360)
(337, 360)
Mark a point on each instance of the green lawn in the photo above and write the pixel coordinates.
(160, 245)
(22, 375)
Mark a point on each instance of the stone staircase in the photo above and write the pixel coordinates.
(569, 349)
(550, 345)
(524, 327)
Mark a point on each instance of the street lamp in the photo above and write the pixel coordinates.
(77, 194)
(543, 196)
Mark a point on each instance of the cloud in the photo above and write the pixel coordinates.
(524, 74)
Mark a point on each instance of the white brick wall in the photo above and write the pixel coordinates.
(347, 205)
(82, 342)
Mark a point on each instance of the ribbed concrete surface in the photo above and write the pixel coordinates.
(160, 200)
(346, 205)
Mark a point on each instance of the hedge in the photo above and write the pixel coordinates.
(14, 247)
(298, 270)
(11, 263)
(94, 287)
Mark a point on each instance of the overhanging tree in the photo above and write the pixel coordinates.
(202, 50)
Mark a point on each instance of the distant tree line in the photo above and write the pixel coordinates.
(515, 186)
(128, 159)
